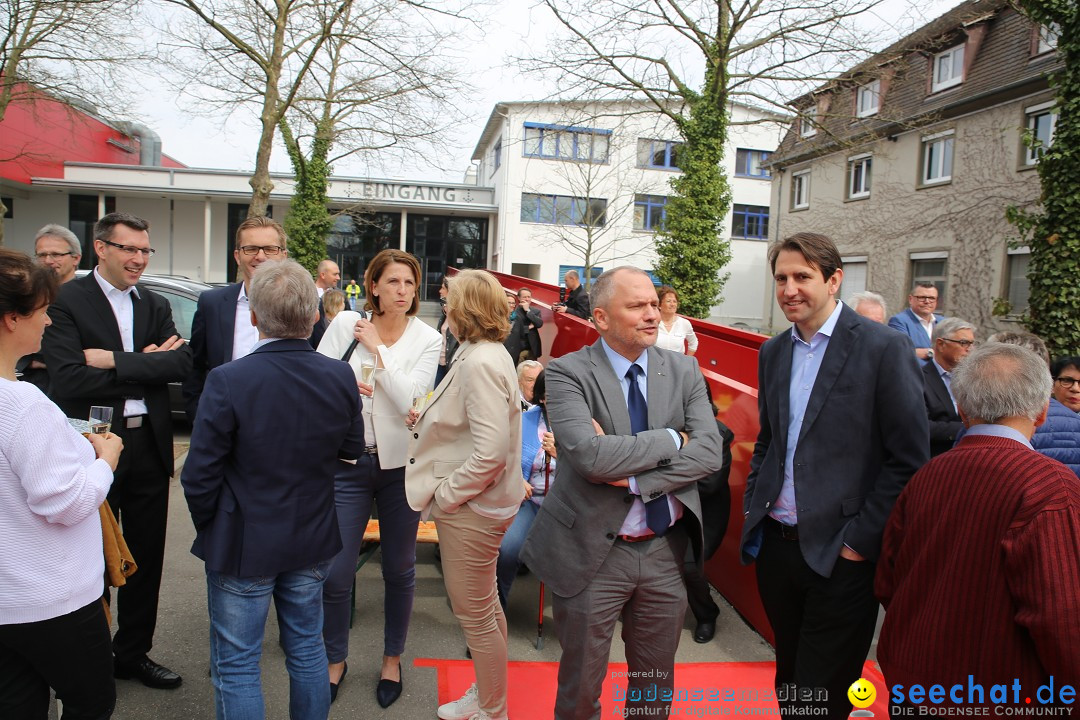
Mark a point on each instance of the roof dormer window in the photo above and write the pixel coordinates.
(948, 69)
(868, 99)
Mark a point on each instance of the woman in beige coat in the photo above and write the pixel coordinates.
(464, 471)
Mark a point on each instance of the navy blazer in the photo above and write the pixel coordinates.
(82, 318)
(863, 436)
(944, 421)
(212, 331)
(907, 322)
(272, 429)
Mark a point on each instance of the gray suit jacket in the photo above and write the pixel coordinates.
(582, 514)
(863, 436)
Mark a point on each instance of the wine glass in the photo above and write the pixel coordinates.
(100, 419)
(367, 372)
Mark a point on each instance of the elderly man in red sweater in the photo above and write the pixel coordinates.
(980, 564)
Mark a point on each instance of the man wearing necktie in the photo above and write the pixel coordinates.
(635, 432)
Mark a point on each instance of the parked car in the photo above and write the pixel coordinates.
(183, 296)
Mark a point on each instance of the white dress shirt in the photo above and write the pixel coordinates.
(245, 335)
(124, 311)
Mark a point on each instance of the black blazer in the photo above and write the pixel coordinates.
(523, 334)
(577, 303)
(945, 423)
(863, 436)
(715, 497)
(212, 331)
(82, 318)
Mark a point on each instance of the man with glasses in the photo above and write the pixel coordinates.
(221, 329)
(917, 322)
(953, 340)
(113, 343)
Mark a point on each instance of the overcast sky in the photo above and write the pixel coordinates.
(513, 27)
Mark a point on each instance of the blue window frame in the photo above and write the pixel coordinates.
(659, 154)
(566, 142)
(650, 212)
(563, 210)
(750, 221)
(751, 163)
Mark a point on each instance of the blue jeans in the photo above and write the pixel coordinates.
(356, 487)
(238, 608)
(510, 550)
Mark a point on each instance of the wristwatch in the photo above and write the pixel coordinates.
(930, 354)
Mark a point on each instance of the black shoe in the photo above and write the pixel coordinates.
(334, 686)
(468, 652)
(387, 691)
(148, 672)
(704, 631)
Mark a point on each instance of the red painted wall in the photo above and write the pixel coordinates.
(39, 134)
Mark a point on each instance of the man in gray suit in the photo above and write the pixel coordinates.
(635, 432)
(843, 428)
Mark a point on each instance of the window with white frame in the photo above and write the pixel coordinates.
(563, 210)
(858, 173)
(1041, 121)
(931, 267)
(948, 68)
(566, 142)
(1019, 287)
(868, 99)
(496, 154)
(659, 154)
(854, 276)
(650, 212)
(1047, 38)
(750, 222)
(800, 190)
(807, 124)
(750, 163)
(937, 158)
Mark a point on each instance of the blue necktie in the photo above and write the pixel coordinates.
(657, 515)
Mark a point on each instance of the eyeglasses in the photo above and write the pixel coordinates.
(1067, 382)
(53, 256)
(268, 250)
(961, 343)
(924, 298)
(130, 250)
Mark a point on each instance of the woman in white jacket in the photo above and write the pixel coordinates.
(406, 352)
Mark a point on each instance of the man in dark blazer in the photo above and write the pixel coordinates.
(918, 320)
(577, 300)
(953, 340)
(259, 480)
(113, 343)
(843, 428)
(635, 433)
(524, 321)
(221, 329)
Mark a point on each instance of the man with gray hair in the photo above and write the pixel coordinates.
(870, 305)
(953, 340)
(980, 564)
(527, 371)
(237, 481)
(57, 247)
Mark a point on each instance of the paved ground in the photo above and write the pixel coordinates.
(181, 641)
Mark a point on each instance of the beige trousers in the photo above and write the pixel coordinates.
(469, 544)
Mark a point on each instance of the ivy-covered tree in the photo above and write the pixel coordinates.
(1053, 231)
(309, 221)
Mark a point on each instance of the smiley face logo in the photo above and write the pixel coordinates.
(862, 693)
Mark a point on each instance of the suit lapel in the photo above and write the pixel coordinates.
(140, 321)
(463, 352)
(100, 304)
(228, 319)
(844, 337)
(659, 389)
(611, 392)
(783, 383)
(937, 386)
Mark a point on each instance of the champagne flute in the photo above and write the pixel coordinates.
(100, 419)
(367, 372)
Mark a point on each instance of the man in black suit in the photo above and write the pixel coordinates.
(843, 428)
(524, 321)
(221, 329)
(577, 300)
(953, 340)
(113, 343)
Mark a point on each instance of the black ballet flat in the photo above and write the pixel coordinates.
(388, 691)
(334, 686)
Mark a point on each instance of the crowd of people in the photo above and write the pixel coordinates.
(899, 462)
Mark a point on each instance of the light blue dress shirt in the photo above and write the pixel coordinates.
(1000, 431)
(946, 377)
(635, 524)
(806, 360)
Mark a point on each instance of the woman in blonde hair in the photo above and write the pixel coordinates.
(464, 471)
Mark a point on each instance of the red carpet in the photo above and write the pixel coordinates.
(532, 688)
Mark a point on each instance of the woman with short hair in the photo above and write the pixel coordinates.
(464, 471)
(674, 332)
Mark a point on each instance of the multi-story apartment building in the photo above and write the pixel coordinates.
(910, 159)
(581, 184)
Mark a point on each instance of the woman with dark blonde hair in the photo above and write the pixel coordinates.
(401, 351)
(464, 472)
(53, 628)
(674, 332)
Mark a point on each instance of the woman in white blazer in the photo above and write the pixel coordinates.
(464, 471)
(406, 352)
